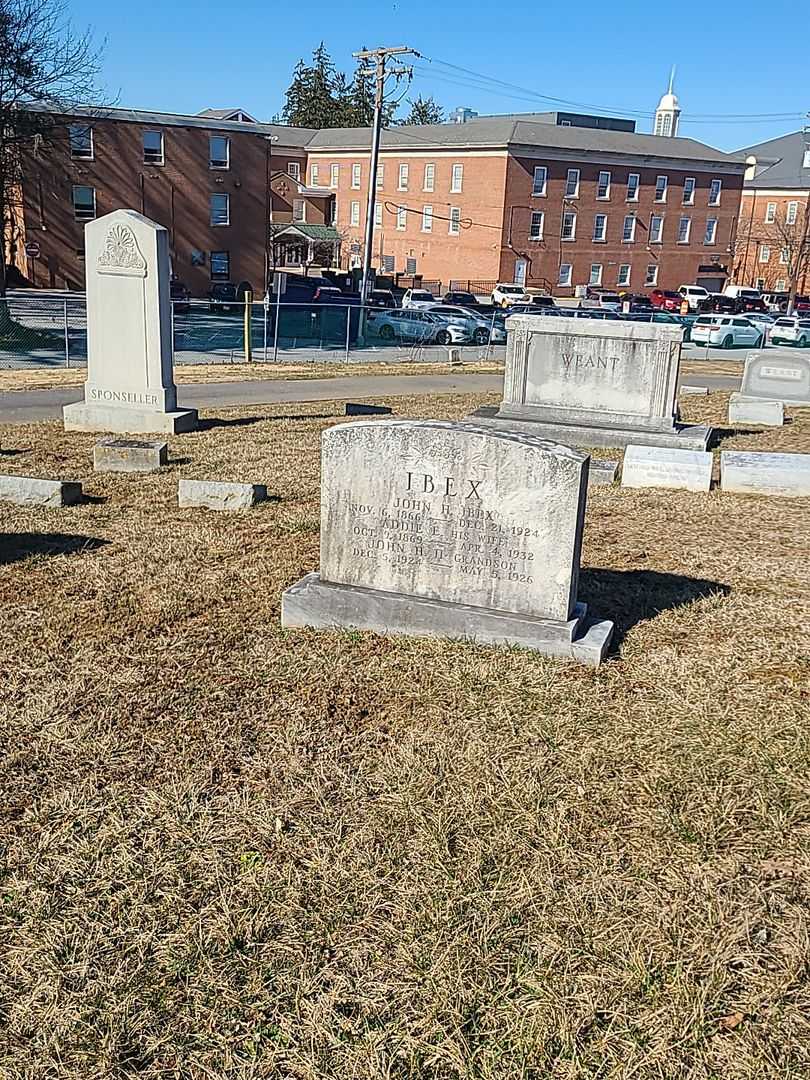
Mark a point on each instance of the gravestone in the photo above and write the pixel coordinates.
(760, 473)
(663, 467)
(782, 378)
(589, 382)
(129, 455)
(755, 411)
(32, 491)
(130, 378)
(432, 528)
(219, 495)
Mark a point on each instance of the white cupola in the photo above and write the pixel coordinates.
(668, 112)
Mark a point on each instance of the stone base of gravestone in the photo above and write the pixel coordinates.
(32, 491)
(757, 412)
(762, 473)
(129, 455)
(662, 467)
(219, 495)
(602, 472)
(128, 421)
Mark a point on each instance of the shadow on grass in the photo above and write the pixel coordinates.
(633, 596)
(92, 500)
(17, 546)
(12, 453)
(236, 421)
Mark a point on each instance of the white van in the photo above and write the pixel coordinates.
(742, 292)
(693, 294)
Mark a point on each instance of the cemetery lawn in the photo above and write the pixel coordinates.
(229, 851)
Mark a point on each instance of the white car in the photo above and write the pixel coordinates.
(409, 324)
(506, 293)
(418, 298)
(481, 329)
(790, 330)
(693, 294)
(726, 331)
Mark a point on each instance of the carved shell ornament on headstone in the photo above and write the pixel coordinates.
(121, 254)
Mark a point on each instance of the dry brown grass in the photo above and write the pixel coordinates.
(233, 851)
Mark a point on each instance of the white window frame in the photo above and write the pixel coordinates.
(597, 239)
(82, 154)
(784, 257)
(662, 197)
(357, 174)
(710, 241)
(454, 224)
(632, 237)
(83, 215)
(651, 279)
(427, 219)
(623, 279)
(334, 175)
(294, 170)
(806, 160)
(217, 162)
(354, 214)
(536, 225)
(770, 213)
(632, 190)
(656, 233)
(313, 175)
(402, 177)
(765, 253)
(572, 178)
(402, 218)
(429, 176)
(595, 279)
(689, 185)
(219, 195)
(380, 175)
(781, 285)
(791, 213)
(296, 204)
(456, 179)
(149, 161)
(715, 192)
(539, 189)
(573, 235)
(378, 214)
(600, 184)
(564, 280)
(684, 239)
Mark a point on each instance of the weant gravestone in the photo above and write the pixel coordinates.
(587, 382)
(130, 379)
(431, 528)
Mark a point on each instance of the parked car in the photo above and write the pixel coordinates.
(604, 298)
(718, 303)
(724, 332)
(791, 330)
(414, 324)
(506, 293)
(593, 313)
(666, 299)
(480, 329)
(776, 301)
(741, 290)
(761, 319)
(381, 298)
(313, 289)
(638, 302)
(222, 296)
(751, 303)
(180, 296)
(693, 294)
(418, 298)
(538, 300)
(466, 299)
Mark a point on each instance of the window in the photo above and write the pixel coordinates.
(569, 225)
(84, 203)
(781, 285)
(656, 228)
(536, 226)
(219, 206)
(378, 212)
(572, 184)
(714, 192)
(684, 229)
(770, 213)
(380, 176)
(689, 191)
(623, 276)
(403, 178)
(784, 257)
(354, 214)
(603, 186)
(599, 227)
(711, 231)
(410, 266)
(765, 254)
(427, 219)
(356, 175)
(564, 276)
(456, 178)
(220, 265)
(388, 264)
(596, 274)
(334, 214)
(454, 228)
(792, 213)
(219, 152)
(81, 141)
(294, 170)
(153, 148)
(430, 176)
(298, 213)
(540, 180)
(402, 218)
(632, 187)
(629, 229)
(651, 277)
(761, 284)
(661, 189)
(313, 175)
(806, 160)
(334, 175)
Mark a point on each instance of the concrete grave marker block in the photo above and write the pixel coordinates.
(216, 495)
(785, 379)
(751, 472)
(758, 412)
(129, 455)
(130, 378)
(31, 491)
(602, 472)
(702, 391)
(432, 528)
(662, 467)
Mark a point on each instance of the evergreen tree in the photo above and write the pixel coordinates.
(311, 99)
(425, 111)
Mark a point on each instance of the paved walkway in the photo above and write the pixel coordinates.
(28, 406)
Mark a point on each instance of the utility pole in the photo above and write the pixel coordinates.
(378, 58)
(801, 257)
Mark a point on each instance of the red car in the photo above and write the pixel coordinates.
(666, 299)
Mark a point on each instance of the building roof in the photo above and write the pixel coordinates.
(786, 168)
(311, 232)
(228, 114)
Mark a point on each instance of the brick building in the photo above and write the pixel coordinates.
(554, 200)
(772, 239)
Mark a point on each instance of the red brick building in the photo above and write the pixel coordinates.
(555, 200)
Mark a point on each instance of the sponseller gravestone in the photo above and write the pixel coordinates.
(436, 529)
(130, 379)
(588, 382)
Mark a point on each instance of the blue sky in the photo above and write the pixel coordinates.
(184, 56)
